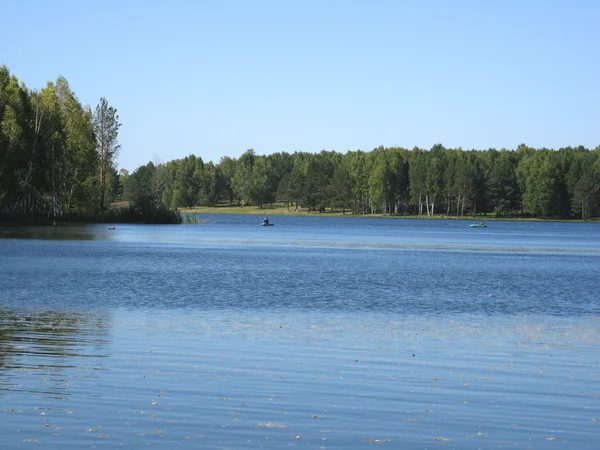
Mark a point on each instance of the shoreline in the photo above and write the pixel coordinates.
(187, 216)
(282, 211)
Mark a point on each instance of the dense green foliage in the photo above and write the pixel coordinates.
(57, 159)
(452, 182)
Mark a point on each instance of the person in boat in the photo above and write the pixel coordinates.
(481, 223)
(266, 221)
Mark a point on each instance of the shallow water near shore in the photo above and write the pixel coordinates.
(313, 333)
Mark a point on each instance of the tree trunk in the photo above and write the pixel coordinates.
(53, 191)
(102, 186)
(457, 204)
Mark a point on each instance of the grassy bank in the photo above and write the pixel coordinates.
(281, 210)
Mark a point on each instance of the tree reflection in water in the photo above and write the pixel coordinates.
(61, 233)
(37, 348)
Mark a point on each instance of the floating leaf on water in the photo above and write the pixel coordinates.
(271, 425)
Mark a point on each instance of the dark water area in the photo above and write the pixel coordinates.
(314, 333)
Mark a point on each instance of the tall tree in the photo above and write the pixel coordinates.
(418, 177)
(75, 183)
(538, 176)
(503, 189)
(583, 182)
(260, 189)
(15, 132)
(340, 193)
(359, 180)
(379, 182)
(227, 169)
(241, 183)
(106, 127)
(211, 185)
(296, 184)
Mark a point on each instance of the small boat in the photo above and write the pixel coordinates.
(270, 224)
(478, 225)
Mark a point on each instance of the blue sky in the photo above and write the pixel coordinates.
(215, 78)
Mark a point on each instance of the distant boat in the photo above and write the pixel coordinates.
(478, 225)
(270, 224)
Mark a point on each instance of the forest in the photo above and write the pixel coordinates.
(58, 162)
(525, 182)
(58, 158)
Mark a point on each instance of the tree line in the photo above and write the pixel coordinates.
(525, 182)
(58, 162)
(58, 158)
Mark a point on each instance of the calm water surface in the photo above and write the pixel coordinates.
(314, 333)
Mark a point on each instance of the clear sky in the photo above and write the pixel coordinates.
(217, 77)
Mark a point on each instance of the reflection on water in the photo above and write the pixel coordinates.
(63, 232)
(37, 348)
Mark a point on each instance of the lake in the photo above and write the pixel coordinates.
(318, 333)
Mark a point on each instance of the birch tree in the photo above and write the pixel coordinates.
(106, 127)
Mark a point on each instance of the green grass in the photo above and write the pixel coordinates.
(267, 210)
(281, 210)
